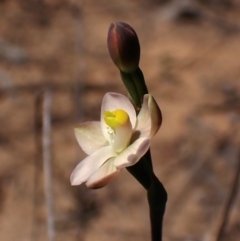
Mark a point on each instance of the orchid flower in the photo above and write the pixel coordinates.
(117, 141)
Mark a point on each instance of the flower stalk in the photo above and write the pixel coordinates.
(134, 82)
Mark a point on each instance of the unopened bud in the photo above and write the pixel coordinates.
(123, 46)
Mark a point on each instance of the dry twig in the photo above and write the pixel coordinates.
(42, 122)
(47, 168)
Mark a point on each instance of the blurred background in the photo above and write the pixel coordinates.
(190, 56)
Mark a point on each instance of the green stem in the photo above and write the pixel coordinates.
(149, 158)
(156, 194)
(157, 198)
(139, 82)
(143, 170)
(132, 89)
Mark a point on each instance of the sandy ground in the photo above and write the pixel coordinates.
(190, 57)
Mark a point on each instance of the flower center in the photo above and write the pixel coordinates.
(116, 118)
(119, 129)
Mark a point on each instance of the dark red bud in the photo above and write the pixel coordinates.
(123, 46)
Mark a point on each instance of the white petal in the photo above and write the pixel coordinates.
(133, 153)
(149, 119)
(103, 175)
(90, 137)
(156, 116)
(113, 101)
(121, 137)
(90, 164)
(144, 119)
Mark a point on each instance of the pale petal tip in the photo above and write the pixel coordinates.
(156, 115)
(95, 182)
(74, 181)
(100, 183)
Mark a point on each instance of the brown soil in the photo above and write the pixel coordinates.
(191, 63)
